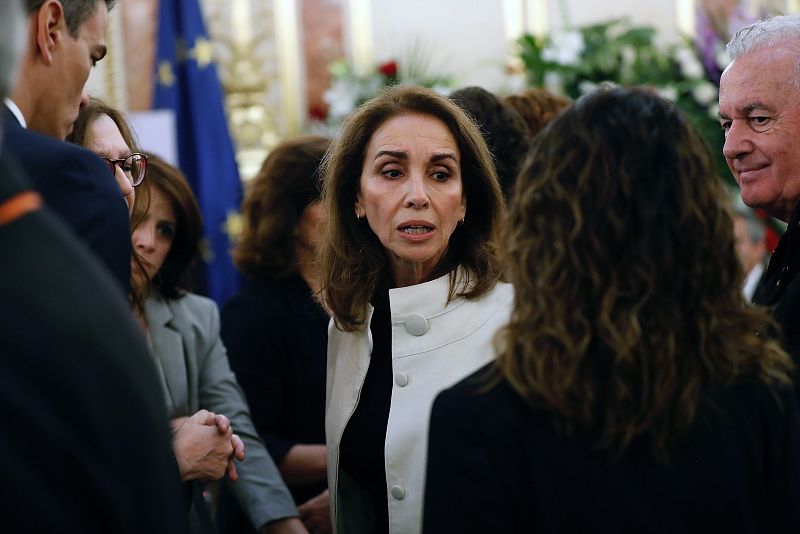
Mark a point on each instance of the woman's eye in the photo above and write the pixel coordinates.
(166, 231)
(391, 173)
(441, 176)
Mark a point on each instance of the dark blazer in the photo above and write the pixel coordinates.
(276, 335)
(497, 465)
(79, 189)
(780, 289)
(85, 445)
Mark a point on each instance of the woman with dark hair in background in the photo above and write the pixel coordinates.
(183, 330)
(631, 392)
(275, 328)
(502, 128)
(410, 272)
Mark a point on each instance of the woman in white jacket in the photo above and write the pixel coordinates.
(411, 276)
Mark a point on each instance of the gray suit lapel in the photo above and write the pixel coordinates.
(168, 349)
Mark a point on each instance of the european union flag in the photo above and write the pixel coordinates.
(187, 83)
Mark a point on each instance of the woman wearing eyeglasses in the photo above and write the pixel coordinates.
(104, 131)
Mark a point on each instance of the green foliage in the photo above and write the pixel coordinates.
(573, 63)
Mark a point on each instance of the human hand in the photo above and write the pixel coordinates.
(316, 514)
(202, 449)
(223, 425)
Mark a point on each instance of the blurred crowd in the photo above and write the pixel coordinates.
(463, 313)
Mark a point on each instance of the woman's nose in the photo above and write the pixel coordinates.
(417, 195)
(144, 237)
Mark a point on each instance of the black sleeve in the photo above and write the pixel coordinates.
(90, 201)
(257, 353)
(78, 188)
(783, 460)
(463, 492)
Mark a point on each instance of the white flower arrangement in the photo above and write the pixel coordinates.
(576, 62)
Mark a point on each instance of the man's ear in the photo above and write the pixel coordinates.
(49, 29)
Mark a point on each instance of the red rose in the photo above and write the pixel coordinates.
(318, 112)
(388, 69)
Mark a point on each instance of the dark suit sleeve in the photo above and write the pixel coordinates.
(80, 190)
(85, 195)
(463, 492)
(257, 353)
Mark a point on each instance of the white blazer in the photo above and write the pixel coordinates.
(433, 347)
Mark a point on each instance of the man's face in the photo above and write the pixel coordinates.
(73, 59)
(759, 108)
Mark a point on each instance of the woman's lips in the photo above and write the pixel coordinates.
(416, 230)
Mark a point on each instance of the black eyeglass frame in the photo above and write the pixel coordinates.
(112, 164)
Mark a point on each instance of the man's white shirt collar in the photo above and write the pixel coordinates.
(16, 111)
(751, 282)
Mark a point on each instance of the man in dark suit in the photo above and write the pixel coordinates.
(66, 38)
(86, 446)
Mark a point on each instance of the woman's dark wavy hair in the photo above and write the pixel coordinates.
(79, 135)
(503, 129)
(628, 309)
(286, 185)
(352, 259)
(172, 278)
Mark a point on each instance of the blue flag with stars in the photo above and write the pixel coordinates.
(186, 82)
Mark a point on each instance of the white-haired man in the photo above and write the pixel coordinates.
(759, 110)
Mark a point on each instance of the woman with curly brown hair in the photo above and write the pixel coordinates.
(276, 330)
(631, 392)
(410, 272)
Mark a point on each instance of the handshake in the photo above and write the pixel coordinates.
(205, 446)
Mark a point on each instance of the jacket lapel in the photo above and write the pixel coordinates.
(168, 349)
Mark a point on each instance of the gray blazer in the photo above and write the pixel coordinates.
(195, 374)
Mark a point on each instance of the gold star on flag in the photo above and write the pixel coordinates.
(234, 225)
(203, 52)
(165, 75)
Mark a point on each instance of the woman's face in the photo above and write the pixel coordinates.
(411, 193)
(152, 239)
(104, 139)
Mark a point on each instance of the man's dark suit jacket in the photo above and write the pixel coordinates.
(85, 445)
(781, 289)
(77, 187)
